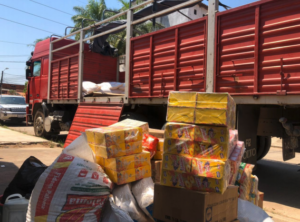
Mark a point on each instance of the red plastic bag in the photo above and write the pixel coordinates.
(150, 144)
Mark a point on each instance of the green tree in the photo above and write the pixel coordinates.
(94, 10)
(25, 87)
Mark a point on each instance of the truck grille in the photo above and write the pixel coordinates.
(18, 110)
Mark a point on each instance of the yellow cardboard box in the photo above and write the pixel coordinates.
(191, 182)
(109, 136)
(177, 163)
(122, 149)
(179, 147)
(180, 131)
(158, 155)
(133, 123)
(126, 162)
(160, 145)
(202, 108)
(210, 168)
(130, 175)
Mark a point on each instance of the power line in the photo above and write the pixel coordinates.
(13, 61)
(33, 15)
(16, 43)
(51, 7)
(13, 55)
(27, 25)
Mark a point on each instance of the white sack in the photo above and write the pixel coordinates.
(248, 212)
(112, 213)
(89, 87)
(125, 200)
(143, 191)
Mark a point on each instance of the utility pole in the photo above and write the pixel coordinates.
(2, 80)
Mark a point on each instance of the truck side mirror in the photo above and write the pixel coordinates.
(28, 73)
(28, 63)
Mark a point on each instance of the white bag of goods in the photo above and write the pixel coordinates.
(71, 189)
(125, 200)
(112, 213)
(248, 212)
(143, 191)
(111, 85)
(89, 87)
(80, 148)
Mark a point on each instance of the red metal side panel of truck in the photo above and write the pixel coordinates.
(64, 71)
(93, 116)
(170, 59)
(258, 49)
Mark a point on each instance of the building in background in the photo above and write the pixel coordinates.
(9, 88)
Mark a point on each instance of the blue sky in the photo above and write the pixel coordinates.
(11, 32)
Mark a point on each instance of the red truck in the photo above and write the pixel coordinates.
(251, 52)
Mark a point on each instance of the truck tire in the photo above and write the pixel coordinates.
(38, 124)
(263, 146)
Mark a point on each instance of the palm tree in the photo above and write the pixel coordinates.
(37, 40)
(93, 12)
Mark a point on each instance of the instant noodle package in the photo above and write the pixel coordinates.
(192, 182)
(202, 108)
(209, 142)
(118, 149)
(235, 161)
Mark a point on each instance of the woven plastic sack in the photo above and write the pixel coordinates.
(89, 87)
(112, 213)
(71, 189)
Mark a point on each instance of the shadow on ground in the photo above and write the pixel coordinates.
(279, 181)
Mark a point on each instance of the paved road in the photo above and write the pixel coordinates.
(280, 181)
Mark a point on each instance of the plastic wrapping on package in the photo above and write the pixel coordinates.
(133, 123)
(160, 145)
(243, 180)
(199, 167)
(209, 142)
(248, 212)
(112, 213)
(192, 182)
(126, 162)
(126, 201)
(150, 144)
(143, 191)
(254, 195)
(202, 108)
(235, 161)
(127, 176)
(70, 188)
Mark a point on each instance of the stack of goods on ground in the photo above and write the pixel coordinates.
(105, 174)
(88, 88)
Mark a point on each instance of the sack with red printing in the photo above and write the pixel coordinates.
(150, 144)
(71, 189)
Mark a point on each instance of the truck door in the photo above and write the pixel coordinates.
(35, 81)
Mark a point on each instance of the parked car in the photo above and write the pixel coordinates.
(12, 108)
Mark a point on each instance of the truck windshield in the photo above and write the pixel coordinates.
(12, 100)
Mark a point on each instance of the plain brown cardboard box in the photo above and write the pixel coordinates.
(174, 204)
(261, 199)
(156, 170)
(157, 133)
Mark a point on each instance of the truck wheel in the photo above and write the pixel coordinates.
(38, 124)
(263, 146)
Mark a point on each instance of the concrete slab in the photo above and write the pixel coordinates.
(11, 160)
(8, 136)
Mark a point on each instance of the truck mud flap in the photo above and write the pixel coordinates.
(93, 116)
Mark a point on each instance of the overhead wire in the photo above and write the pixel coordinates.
(16, 43)
(26, 25)
(50, 7)
(34, 15)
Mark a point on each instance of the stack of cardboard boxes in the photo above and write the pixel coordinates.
(199, 139)
(118, 149)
